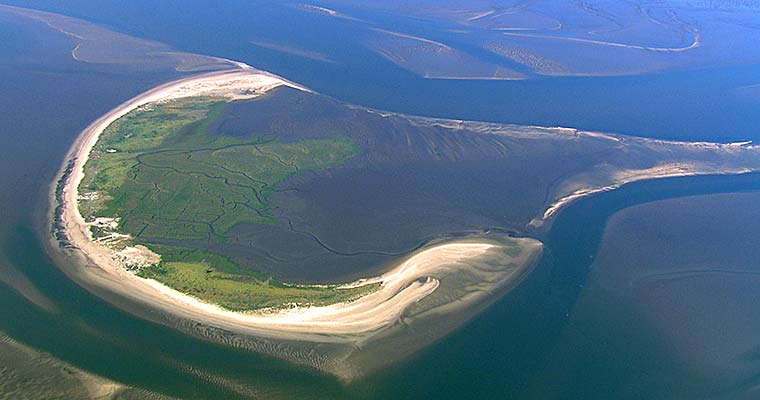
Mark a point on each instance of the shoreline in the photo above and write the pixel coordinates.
(574, 187)
(667, 171)
(353, 322)
(455, 278)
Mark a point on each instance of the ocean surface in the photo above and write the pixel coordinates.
(702, 104)
(555, 336)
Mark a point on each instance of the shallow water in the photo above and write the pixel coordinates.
(557, 335)
(678, 278)
(541, 341)
(701, 104)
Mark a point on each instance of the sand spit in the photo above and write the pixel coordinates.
(696, 42)
(353, 323)
(634, 158)
(624, 177)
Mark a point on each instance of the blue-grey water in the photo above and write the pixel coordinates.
(702, 104)
(510, 351)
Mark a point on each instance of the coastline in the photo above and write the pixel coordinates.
(668, 171)
(456, 278)
(353, 322)
(698, 158)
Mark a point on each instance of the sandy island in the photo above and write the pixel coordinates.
(352, 322)
(443, 284)
(403, 286)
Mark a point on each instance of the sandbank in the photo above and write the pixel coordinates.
(401, 287)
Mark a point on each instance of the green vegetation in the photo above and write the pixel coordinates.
(166, 179)
(219, 280)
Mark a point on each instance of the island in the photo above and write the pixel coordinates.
(250, 210)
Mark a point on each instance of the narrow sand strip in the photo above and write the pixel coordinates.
(624, 177)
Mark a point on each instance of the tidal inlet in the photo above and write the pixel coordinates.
(239, 207)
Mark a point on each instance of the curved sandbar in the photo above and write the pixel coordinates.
(401, 288)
